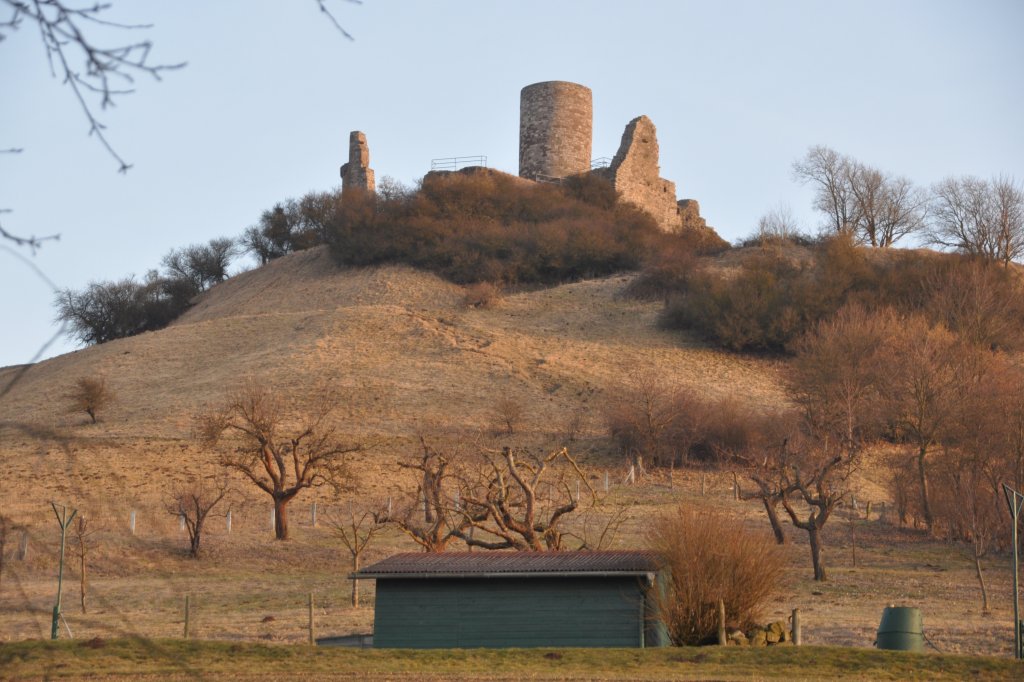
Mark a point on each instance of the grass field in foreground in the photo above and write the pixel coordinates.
(177, 659)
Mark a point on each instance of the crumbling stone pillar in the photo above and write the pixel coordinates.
(356, 175)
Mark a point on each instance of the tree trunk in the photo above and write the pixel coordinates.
(428, 514)
(281, 518)
(773, 518)
(355, 583)
(197, 535)
(981, 580)
(853, 538)
(814, 535)
(81, 573)
(923, 479)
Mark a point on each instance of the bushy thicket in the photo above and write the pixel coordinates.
(775, 297)
(292, 225)
(104, 311)
(649, 417)
(486, 226)
(710, 557)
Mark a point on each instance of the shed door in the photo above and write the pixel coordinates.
(508, 612)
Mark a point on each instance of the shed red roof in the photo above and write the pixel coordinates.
(486, 564)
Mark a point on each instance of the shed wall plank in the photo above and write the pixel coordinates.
(505, 612)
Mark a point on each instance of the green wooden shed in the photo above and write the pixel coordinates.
(515, 599)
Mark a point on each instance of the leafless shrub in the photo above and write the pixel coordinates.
(481, 295)
(778, 226)
(575, 425)
(507, 413)
(90, 395)
(192, 502)
(709, 557)
(356, 527)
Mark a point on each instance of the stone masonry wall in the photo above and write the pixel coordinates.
(635, 174)
(555, 130)
(689, 215)
(356, 175)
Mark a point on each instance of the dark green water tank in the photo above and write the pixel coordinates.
(901, 629)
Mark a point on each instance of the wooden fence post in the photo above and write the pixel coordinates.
(312, 639)
(721, 623)
(186, 615)
(23, 545)
(797, 634)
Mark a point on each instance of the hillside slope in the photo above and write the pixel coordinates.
(395, 342)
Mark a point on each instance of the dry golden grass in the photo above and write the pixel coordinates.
(406, 355)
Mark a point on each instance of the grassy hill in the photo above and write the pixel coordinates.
(405, 355)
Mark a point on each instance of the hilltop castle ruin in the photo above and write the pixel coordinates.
(555, 142)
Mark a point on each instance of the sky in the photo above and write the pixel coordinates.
(262, 111)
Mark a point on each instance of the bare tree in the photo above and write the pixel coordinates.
(836, 382)
(771, 488)
(521, 498)
(979, 217)
(876, 207)
(83, 533)
(928, 379)
(1009, 218)
(812, 475)
(5, 529)
(887, 208)
(968, 502)
(280, 461)
(829, 172)
(90, 395)
(356, 527)
(430, 515)
(192, 502)
(201, 265)
(836, 375)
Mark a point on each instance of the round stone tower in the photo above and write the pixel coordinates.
(555, 129)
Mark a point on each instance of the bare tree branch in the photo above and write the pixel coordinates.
(323, 8)
(92, 71)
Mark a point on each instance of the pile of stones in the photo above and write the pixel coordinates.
(769, 635)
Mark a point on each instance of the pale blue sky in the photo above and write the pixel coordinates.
(738, 90)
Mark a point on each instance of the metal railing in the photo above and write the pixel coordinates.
(600, 162)
(456, 162)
